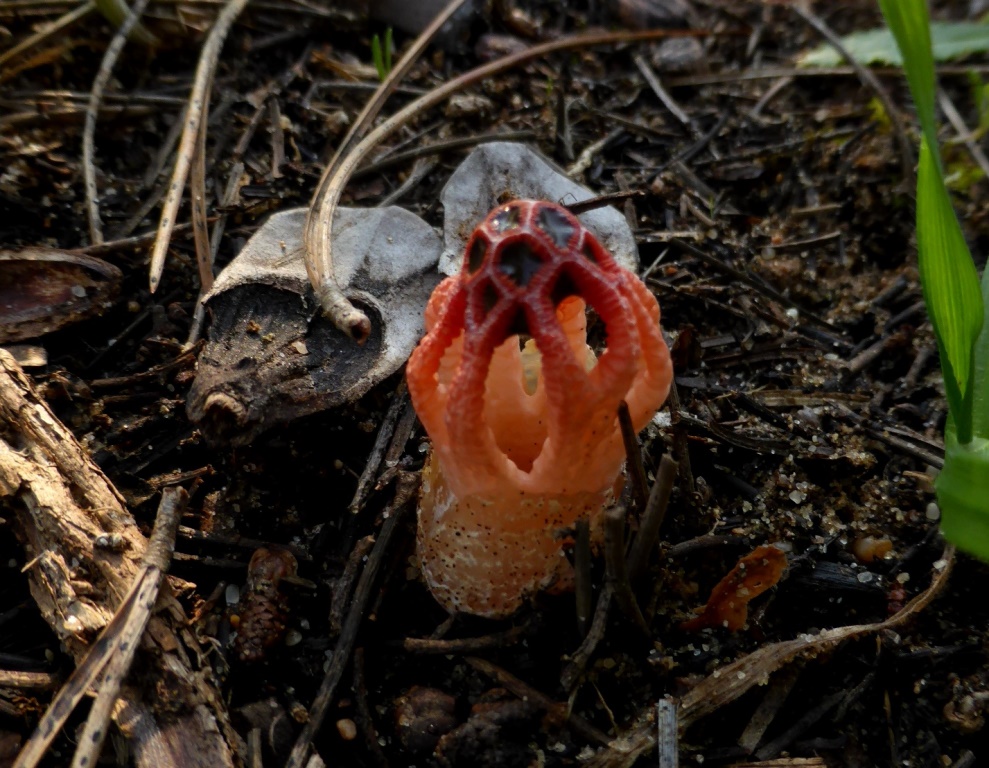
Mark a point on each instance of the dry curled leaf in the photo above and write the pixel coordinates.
(42, 290)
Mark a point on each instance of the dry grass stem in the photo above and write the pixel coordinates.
(319, 224)
(51, 30)
(195, 114)
(110, 57)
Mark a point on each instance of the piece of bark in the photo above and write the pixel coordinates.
(64, 506)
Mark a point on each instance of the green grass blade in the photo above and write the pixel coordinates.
(910, 23)
(963, 495)
(951, 288)
(378, 57)
(954, 302)
(980, 378)
(948, 276)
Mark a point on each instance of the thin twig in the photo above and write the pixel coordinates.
(50, 30)
(600, 201)
(197, 208)
(958, 123)
(652, 518)
(399, 406)
(404, 493)
(277, 140)
(157, 168)
(614, 561)
(592, 150)
(446, 145)
(340, 593)
(141, 213)
(756, 112)
(580, 658)
(429, 645)
(420, 171)
(110, 57)
(652, 79)
(219, 224)
(28, 681)
(196, 114)
(126, 243)
(633, 461)
(681, 450)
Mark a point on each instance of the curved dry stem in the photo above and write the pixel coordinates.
(196, 113)
(319, 261)
(319, 227)
(92, 108)
(727, 683)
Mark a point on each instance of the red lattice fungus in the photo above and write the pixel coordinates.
(521, 413)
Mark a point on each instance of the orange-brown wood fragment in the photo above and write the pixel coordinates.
(728, 605)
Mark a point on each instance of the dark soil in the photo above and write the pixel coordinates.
(775, 227)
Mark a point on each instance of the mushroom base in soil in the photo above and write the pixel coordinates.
(521, 413)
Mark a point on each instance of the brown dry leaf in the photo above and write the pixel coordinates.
(728, 605)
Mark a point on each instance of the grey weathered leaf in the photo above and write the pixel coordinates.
(500, 171)
(271, 356)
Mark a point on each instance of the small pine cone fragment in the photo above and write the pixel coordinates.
(264, 608)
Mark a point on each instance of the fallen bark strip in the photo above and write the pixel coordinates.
(84, 551)
(109, 659)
